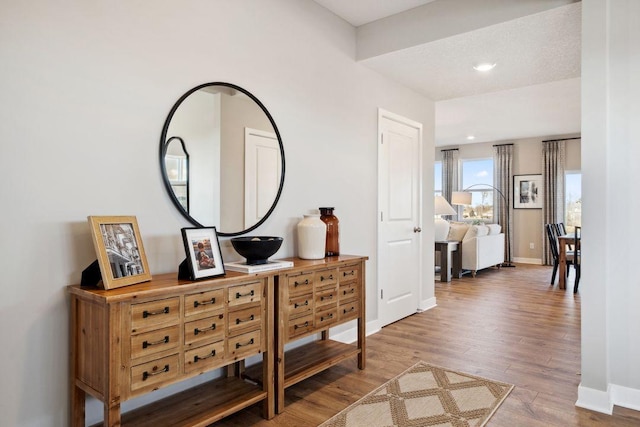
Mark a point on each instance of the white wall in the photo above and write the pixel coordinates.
(86, 87)
(610, 152)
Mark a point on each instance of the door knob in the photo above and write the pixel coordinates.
(417, 229)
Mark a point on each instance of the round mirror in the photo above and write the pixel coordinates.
(222, 158)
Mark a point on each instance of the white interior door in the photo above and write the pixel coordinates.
(262, 171)
(399, 200)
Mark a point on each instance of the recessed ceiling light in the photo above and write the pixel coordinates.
(485, 66)
(471, 137)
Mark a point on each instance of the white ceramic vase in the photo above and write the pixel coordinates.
(312, 233)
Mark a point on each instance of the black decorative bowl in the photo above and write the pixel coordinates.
(256, 249)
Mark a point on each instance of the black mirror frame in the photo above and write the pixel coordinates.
(163, 149)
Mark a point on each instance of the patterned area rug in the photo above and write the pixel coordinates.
(426, 395)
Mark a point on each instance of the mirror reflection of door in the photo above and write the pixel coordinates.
(176, 162)
(261, 173)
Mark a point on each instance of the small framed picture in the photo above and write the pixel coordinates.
(203, 252)
(527, 192)
(119, 249)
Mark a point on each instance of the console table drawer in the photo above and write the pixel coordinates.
(300, 283)
(207, 329)
(244, 294)
(154, 313)
(204, 358)
(326, 277)
(349, 311)
(245, 345)
(300, 305)
(348, 291)
(244, 319)
(154, 341)
(300, 325)
(326, 297)
(203, 302)
(326, 317)
(348, 273)
(151, 374)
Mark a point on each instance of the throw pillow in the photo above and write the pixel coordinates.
(457, 231)
(494, 229)
(476, 231)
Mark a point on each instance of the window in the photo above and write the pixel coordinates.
(573, 200)
(437, 178)
(475, 174)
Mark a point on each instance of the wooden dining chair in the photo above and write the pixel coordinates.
(576, 257)
(552, 235)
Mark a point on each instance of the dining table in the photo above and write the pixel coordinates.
(563, 242)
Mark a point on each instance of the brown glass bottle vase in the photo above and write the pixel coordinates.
(332, 247)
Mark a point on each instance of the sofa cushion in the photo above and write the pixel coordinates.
(494, 229)
(476, 231)
(457, 231)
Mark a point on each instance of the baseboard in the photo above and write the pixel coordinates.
(595, 400)
(427, 304)
(350, 335)
(536, 261)
(625, 397)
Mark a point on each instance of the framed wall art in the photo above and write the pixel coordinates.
(120, 252)
(204, 257)
(527, 192)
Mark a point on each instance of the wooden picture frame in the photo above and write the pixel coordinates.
(203, 252)
(528, 192)
(120, 252)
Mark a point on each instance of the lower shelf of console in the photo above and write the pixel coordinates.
(307, 360)
(198, 406)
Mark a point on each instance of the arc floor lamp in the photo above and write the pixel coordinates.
(464, 198)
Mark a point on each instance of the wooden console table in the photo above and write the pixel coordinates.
(130, 341)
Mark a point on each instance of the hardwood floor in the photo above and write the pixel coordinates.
(506, 324)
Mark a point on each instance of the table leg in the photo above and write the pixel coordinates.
(562, 267)
(457, 261)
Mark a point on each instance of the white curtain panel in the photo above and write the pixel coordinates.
(450, 176)
(503, 181)
(553, 161)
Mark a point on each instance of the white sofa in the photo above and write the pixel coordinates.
(482, 245)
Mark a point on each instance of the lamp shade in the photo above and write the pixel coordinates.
(461, 198)
(442, 207)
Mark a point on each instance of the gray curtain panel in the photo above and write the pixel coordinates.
(553, 161)
(450, 174)
(503, 181)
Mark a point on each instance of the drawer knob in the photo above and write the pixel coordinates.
(248, 294)
(238, 321)
(238, 345)
(351, 273)
(322, 278)
(296, 283)
(345, 311)
(326, 297)
(196, 358)
(146, 374)
(165, 340)
(198, 303)
(350, 291)
(196, 331)
(146, 313)
(304, 325)
(296, 305)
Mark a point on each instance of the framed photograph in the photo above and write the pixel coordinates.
(527, 192)
(119, 249)
(203, 252)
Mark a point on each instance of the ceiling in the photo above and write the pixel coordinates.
(534, 90)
